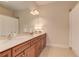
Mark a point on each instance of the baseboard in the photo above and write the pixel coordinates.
(58, 45)
(75, 52)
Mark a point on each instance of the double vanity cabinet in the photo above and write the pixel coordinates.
(30, 48)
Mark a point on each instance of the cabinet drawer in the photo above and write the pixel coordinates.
(18, 49)
(6, 53)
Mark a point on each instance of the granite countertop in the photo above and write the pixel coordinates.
(9, 43)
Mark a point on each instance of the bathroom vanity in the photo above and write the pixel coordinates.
(23, 46)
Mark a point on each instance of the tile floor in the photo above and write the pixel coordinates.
(57, 52)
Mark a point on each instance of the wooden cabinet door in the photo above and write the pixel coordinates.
(44, 41)
(27, 52)
(19, 48)
(21, 55)
(30, 52)
(38, 48)
(6, 53)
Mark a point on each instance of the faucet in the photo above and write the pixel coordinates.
(10, 35)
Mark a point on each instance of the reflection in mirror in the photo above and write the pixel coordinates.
(8, 26)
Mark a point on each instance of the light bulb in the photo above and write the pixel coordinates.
(34, 12)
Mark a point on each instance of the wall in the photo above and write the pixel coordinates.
(6, 11)
(54, 18)
(74, 29)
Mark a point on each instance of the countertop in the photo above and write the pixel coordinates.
(9, 43)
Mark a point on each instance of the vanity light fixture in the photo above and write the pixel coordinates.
(34, 12)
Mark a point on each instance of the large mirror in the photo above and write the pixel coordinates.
(8, 25)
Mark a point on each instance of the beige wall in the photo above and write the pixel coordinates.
(56, 16)
(6, 11)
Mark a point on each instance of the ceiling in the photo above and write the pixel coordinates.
(44, 2)
(17, 5)
(22, 5)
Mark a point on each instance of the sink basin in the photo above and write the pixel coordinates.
(3, 37)
(3, 41)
